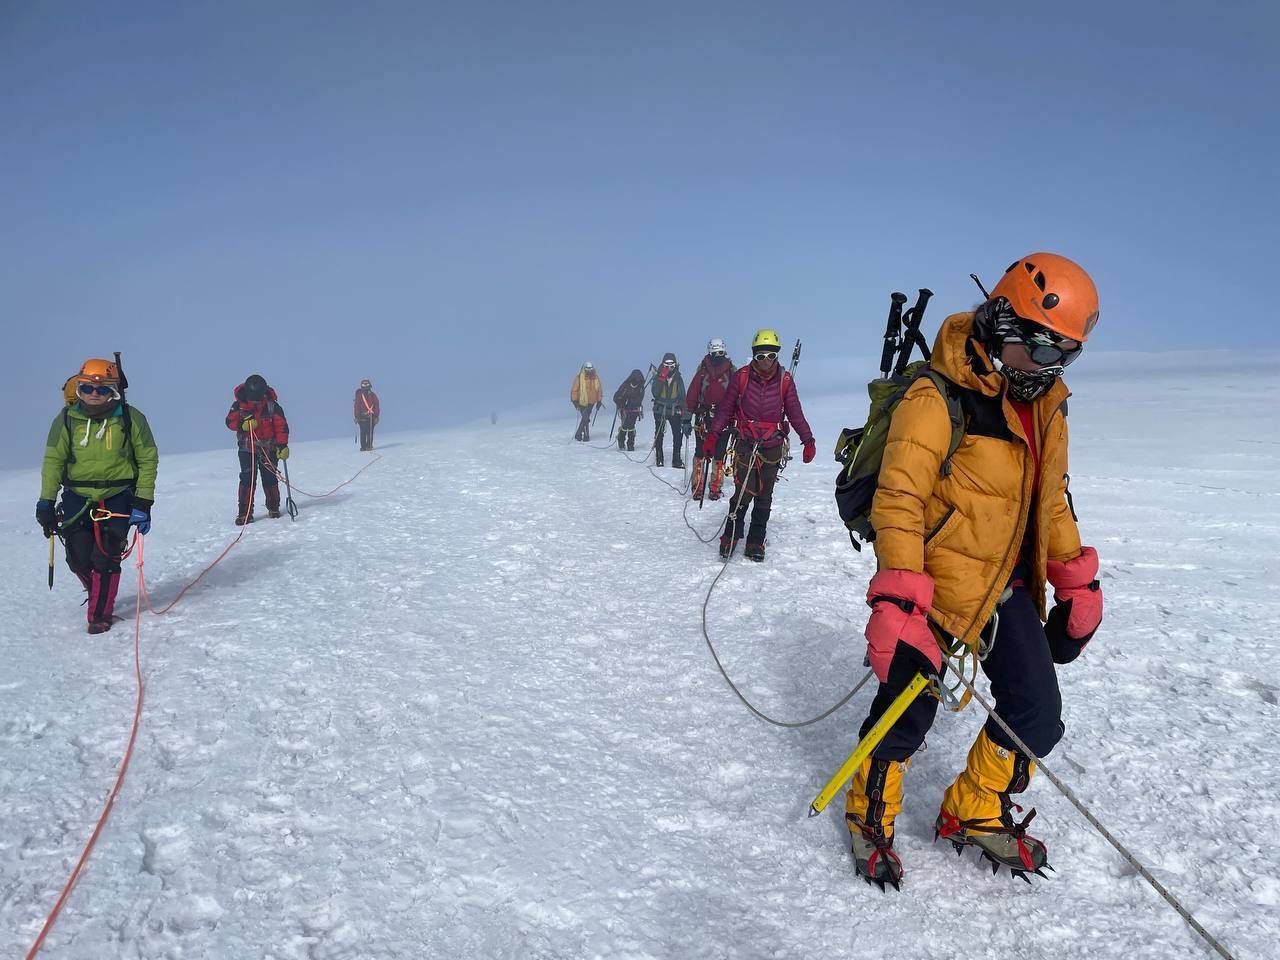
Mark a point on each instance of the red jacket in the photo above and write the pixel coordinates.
(272, 428)
(366, 405)
(709, 384)
(761, 408)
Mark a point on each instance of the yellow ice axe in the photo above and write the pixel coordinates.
(868, 743)
(51, 563)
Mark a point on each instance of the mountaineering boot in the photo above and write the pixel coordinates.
(244, 511)
(728, 543)
(755, 535)
(657, 459)
(102, 600)
(873, 801)
(677, 462)
(631, 441)
(977, 810)
(717, 480)
(273, 502)
(695, 482)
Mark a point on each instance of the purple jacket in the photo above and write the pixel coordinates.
(762, 409)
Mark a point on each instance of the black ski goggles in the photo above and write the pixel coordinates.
(767, 355)
(1046, 348)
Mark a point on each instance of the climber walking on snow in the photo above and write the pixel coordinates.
(586, 393)
(101, 454)
(262, 436)
(367, 412)
(706, 390)
(963, 531)
(668, 409)
(629, 399)
(761, 403)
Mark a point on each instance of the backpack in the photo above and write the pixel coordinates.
(861, 451)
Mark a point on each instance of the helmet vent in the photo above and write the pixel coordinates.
(1050, 301)
(1039, 279)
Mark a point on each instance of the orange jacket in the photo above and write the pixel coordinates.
(966, 529)
(586, 389)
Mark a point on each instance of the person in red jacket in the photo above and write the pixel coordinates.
(706, 390)
(261, 428)
(760, 401)
(367, 412)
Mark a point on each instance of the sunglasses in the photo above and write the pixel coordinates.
(90, 390)
(1046, 348)
(668, 363)
(767, 355)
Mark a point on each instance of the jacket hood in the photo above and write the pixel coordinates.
(636, 378)
(670, 356)
(964, 361)
(240, 397)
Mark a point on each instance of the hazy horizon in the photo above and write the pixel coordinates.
(464, 203)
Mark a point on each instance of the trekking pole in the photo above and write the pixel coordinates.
(290, 507)
(892, 333)
(795, 358)
(51, 561)
(615, 421)
(868, 743)
(912, 337)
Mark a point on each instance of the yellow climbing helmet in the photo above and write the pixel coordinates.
(766, 338)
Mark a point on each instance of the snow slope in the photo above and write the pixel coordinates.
(463, 709)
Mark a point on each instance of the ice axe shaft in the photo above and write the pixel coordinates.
(918, 684)
(50, 561)
(290, 507)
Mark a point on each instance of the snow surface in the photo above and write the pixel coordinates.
(463, 708)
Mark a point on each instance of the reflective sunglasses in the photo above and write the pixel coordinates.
(668, 363)
(1047, 348)
(767, 355)
(91, 390)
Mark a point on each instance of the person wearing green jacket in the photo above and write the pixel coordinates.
(101, 453)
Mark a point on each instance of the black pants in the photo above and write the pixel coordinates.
(94, 549)
(753, 485)
(1023, 679)
(366, 432)
(584, 427)
(270, 483)
(627, 432)
(660, 422)
(83, 555)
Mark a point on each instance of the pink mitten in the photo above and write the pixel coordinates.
(899, 600)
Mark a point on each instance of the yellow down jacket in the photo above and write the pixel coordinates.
(966, 528)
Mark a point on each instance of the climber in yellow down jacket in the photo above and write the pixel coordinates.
(956, 540)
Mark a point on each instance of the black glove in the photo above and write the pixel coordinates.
(1062, 646)
(47, 517)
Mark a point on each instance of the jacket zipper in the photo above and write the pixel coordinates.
(1020, 529)
(939, 525)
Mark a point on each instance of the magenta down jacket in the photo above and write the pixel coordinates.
(762, 409)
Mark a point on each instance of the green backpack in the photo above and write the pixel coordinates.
(861, 451)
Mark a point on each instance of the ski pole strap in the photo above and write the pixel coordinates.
(868, 743)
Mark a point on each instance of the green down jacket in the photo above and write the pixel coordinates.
(96, 459)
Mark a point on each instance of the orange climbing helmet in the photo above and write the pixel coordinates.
(99, 371)
(1051, 291)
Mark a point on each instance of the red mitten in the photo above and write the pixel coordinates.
(810, 450)
(899, 600)
(1077, 610)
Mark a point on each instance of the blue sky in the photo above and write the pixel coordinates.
(463, 202)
